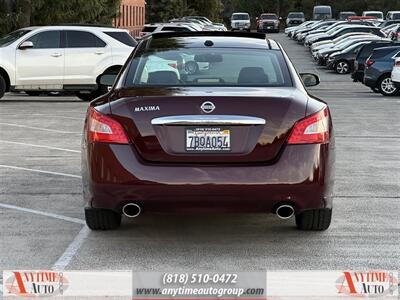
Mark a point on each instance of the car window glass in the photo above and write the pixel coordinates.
(83, 39)
(221, 67)
(46, 40)
(178, 29)
(122, 37)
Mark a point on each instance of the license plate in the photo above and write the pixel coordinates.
(208, 139)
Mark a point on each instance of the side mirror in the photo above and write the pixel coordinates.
(107, 80)
(26, 45)
(310, 79)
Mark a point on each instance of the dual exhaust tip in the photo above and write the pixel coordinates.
(133, 210)
(285, 211)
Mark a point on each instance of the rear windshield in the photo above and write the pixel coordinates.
(379, 53)
(296, 15)
(240, 17)
(209, 67)
(376, 15)
(122, 37)
(269, 17)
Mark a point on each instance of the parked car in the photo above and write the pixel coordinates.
(290, 30)
(362, 56)
(218, 26)
(387, 23)
(393, 15)
(240, 21)
(171, 26)
(390, 29)
(322, 12)
(342, 62)
(268, 23)
(300, 35)
(209, 142)
(295, 18)
(378, 70)
(347, 29)
(62, 58)
(396, 73)
(323, 55)
(343, 15)
(331, 43)
(377, 14)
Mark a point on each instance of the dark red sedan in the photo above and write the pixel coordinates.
(240, 135)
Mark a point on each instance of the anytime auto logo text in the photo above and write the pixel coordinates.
(367, 284)
(35, 283)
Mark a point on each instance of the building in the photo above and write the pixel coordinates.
(131, 16)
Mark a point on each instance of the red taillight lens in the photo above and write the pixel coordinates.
(104, 129)
(369, 62)
(313, 129)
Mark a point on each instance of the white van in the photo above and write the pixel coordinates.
(322, 12)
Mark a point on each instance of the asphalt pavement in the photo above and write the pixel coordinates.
(41, 208)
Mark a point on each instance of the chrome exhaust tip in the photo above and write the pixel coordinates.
(285, 211)
(131, 210)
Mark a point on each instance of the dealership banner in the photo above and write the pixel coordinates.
(201, 285)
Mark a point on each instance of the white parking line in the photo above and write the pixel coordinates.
(38, 128)
(40, 171)
(40, 146)
(42, 213)
(71, 250)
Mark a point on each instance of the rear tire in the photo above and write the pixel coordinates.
(102, 219)
(386, 86)
(342, 67)
(3, 86)
(191, 67)
(314, 219)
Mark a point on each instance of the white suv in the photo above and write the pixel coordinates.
(62, 58)
(396, 72)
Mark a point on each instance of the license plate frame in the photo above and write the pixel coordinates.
(219, 139)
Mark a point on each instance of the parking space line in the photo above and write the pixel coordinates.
(71, 250)
(42, 213)
(39, 146)
(40, 171)
(43, 115)
(38, 128)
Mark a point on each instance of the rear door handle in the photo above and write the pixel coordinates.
(99, 52)
(56, 54)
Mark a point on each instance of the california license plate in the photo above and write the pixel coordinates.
(208, 139)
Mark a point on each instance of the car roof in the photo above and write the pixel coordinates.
(219, 39)
(80, 27)
(240, 13)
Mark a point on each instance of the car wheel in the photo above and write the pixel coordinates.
(102, 219)
(342, 67)
(386, 86)
(314, 219)
(33, 93)
(191, 67)
(89, 96)
(2, 86)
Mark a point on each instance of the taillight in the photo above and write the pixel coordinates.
(397, 63)
(313, 129)
(105, 129)
(369, 63)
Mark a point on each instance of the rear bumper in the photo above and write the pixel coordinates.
(114, 175)
(369, 81)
